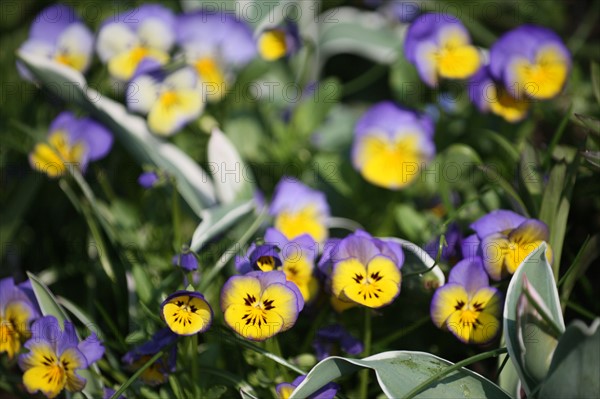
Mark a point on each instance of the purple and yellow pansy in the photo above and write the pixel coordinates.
(277, 42)
(58, 34)
(186, 312)
(71, 142)
(506, 239)
(440, 47)
(299, 209)
(55, 355)
(392, 145)
(531, 61)
(329, 338)
(259, 305)
(366, 270)
(136, 40)
(467, 306)
(17, 311)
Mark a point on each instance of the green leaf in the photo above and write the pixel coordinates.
(586, 255)
(365, 33)
(218, 219)
(399, 372)
(193, 183)
(595, 72)
(311, 112)
(575, 364)
(589, 122)
(540, 276)
(232, 178)
(518, 203)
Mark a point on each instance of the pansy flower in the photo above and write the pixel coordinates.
(186, 312)
(16, 312)
(215, 45)
(263, 257)
(278, 42)
(55, 355)
(366, 270)
(136, 40)
(58, 34)
(285, 389)
(298, 260)
(159, 371)
(259, 305)
(299, 210)
(186, 260)
(530, 61)
(506, 239)
(490, 96)
(467, 305)
(391, 145)
(170, 101)
(329, 337)
(72, 142)
(440, 47)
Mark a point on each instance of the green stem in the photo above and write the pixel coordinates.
(193, 354)
(364, 376)
(504, 361)
(582, 311)
(382, 343)
(139, 372)
(544, 314)
(473, 359)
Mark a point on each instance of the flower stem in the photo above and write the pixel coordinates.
(193, 354)
(364, 377)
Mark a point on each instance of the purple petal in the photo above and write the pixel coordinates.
(292, 196)
(267, 250)
(330, 248)
(51, 22)
(92, 348)
(45, 329)
(299, 298)
(497, 221)
(356, 246)
(96, 137)
(68, 338)
(350, 344)
(389, 118)
(470, 247)
(470, 274)
(480, 89)
(186, 261)
(148, 179)
(268, 278)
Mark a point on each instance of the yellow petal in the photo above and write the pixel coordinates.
(283, 301)
(307, 221)
(239, 290)
(187, 315)
(253, 323)
(272, 45)
(447, 300)
(173, 109)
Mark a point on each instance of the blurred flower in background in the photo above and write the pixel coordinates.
(298, 209)
(71, 142)
(16, 312)
(58, 34)
(159, 371)
(170, 101)
(391, 145)
(366, 270)
(215, 45)
(285, 389)
(330, 337)
(55, 355)
(136, 41)
(186, 260)
(440, 47)
(278, 42)
(530, 61)
(259, 305)
(506, 239)
(186, 312)
(264, 257)
(148, 179)
(490, 96)
(467, 305)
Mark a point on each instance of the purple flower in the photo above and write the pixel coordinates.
(215, 45)
(148, 179)
(55, 355)
(333, 335)
(391, 145)
(453, 239)
(490, 96)
(278, 42)
(366, 270)
(285, 389)
(299, 210)
(136, 40)
(530, 61)
(259, 305)
(440, 47)
(506, 239)
(58, 34)
(186, 260)
(263, 257)
(467, 305)
(72, 142)
(159, 371)
(17, 310)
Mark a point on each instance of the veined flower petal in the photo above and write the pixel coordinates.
(186, 313)
(447, 300)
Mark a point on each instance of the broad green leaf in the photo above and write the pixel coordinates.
(217, 219)
(575, 364)
(398, 372)
(232, 178)
(193, 183)
(49, 305)
(365, 33)
(540, 276)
